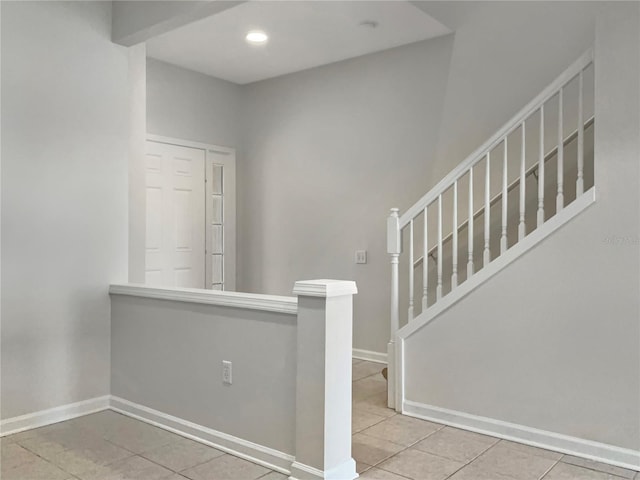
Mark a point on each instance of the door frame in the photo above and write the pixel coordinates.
(228, 204)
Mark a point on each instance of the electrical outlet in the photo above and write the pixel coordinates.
(226, 372)
(361, 256)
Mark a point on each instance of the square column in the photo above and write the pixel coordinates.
(323, 388)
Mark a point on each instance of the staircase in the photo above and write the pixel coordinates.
(531, 177)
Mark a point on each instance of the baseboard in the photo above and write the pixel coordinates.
(267, 457)
(344, 471)
(370, 356)
(601, 452)
(53, 415)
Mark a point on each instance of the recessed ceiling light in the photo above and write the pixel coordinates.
(257, 37)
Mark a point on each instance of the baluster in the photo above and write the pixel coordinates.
(560, 197)
(487, 207)
(439, 286)
(454, 274)
(522, 227)
(541, 170)
(470, 225)
(580, 181)
(411, 271)
(425, 264)
(503, 238)
(394, 248)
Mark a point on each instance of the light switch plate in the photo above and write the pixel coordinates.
(361, 256)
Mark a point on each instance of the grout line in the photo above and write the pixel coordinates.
(549, 469)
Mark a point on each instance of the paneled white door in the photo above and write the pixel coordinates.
(175, 216)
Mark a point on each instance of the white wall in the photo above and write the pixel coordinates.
(64, 200)
(324, 154)
(191, 106)
(553, 341)
(168, 356)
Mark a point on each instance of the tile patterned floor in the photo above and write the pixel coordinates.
(386, 446)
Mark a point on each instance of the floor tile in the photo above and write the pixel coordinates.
(538, 452)
(564, 471)
(377, 474)
(599, 467)
(274, 476)
(376, 404)
(513, 462)
(13, 456)
(101, 423)
(133, 468)
(37, 469)
(367, 369)
(362, 467)
(75, 450)
(420, 465)
(361, 420)
(368, 386)
(182, 454)
(226, 467)
(78, 461)
(372, 450)
(474, 471)
(402, 430)
(139, 437)
(456, 444)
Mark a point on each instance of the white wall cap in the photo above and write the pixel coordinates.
(251, 301)
(324, 288)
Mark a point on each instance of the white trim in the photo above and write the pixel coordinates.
(369, 356)
(600, 452)
(250, 301)
(188, 143)
(528, 242)
(300, 471)
(324, 288)
(344, 471)
(265, 456)
(53, 415)
(574, 69)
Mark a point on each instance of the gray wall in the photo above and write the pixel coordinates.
(553, 341)
(191, 106)
(504, 54)
(136, 21)
(64, 200)
(168, 356)
(324, 154)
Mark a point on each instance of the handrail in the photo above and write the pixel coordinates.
(572, 136)
(515, 122)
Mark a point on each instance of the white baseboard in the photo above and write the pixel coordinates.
(370, 356)
(53, 415)
(601, 452)
(344, 471)
(267, 457)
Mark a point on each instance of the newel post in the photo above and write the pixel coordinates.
(394, 248)
(323, 381)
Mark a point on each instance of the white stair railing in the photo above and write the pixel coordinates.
(511, 133)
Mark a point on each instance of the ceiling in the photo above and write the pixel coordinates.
(302, 35)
